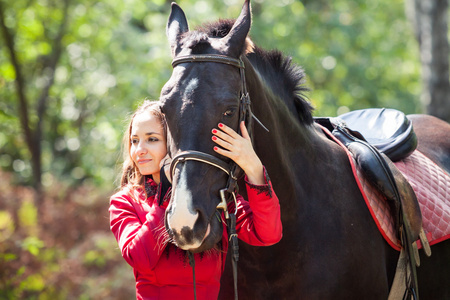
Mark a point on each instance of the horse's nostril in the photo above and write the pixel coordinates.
(188, 234)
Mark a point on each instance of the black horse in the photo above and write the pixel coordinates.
(331, 247)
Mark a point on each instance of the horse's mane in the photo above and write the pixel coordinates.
(273, 65)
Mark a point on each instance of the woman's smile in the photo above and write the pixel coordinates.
(143, 161)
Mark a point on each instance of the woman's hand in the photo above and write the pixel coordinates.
(240, 150)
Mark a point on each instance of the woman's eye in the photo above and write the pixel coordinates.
(134, 141)
(153, 139)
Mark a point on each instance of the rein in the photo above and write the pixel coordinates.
(232, 169)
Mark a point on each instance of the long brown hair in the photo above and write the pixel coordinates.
(131, 177)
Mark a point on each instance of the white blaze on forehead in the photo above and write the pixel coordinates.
(182, 212)
(191, 86)
(188, 91)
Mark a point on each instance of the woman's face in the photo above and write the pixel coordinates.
(148, 144)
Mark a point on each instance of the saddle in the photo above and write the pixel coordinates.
(376, 138)
(388, 130)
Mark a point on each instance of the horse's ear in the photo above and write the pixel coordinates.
(235, 40)
(176, 25)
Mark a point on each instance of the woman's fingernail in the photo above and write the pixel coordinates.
(214, 138)
(214, 131)
(216, 148)
(220, 125)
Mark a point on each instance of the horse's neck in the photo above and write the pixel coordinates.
(276, 114)
(287, 138)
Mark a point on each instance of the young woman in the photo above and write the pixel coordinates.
(161, 269)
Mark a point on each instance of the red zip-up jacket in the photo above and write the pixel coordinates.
(163, 271)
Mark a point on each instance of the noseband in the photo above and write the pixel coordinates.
(228, 193)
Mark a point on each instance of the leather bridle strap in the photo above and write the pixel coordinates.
(198, 156)
(217, 58)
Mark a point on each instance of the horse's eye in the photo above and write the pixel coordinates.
(229, 112)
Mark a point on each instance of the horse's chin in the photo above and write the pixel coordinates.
(213, 236)
(207, 244)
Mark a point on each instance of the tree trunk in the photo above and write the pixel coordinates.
(32, 131)
(32, 142)
(429, 18)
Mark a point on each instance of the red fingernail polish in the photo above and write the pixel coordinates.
(215, 148)
(214, 138)
(214, 131)
(220, 125)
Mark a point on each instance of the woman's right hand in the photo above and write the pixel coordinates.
(240, 150)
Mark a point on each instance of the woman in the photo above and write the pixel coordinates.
(137, 211)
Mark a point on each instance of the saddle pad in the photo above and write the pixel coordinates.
(375, 201)
(432, 187)
(378, 207)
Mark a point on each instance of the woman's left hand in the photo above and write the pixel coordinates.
(240, 150)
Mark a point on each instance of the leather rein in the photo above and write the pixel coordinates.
(228, 193)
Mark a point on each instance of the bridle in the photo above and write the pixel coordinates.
(245, 115)
(228, 193)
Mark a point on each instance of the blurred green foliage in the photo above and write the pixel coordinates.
(356, 54)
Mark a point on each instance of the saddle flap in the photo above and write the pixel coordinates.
(386, 129)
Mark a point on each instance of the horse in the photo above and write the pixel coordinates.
(331, 247)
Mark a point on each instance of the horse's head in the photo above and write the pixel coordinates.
(199, 95)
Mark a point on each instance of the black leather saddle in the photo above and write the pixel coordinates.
(375, 137)
(386, 129)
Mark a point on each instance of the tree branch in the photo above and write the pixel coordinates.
(51, 65)
(20, 81)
